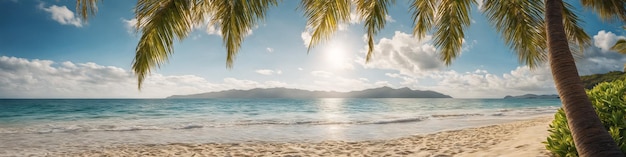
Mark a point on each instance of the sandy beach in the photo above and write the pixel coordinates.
(520, 138)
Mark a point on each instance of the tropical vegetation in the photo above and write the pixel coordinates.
(591, 81)
(538, 31)
(608, 99)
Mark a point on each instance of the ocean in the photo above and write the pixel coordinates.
(39, 126)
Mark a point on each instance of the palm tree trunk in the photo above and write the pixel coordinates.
(590, 136)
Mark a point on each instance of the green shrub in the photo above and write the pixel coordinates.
(608, 100)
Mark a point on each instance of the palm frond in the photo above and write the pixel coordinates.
(160, 22)
(578, 38)
(86, 7)
(608, 10)
(201, 11)
(522, 26)
(374, 12)
(324, 16)
(620, 46)
(236, 18)
(452, 17)
(423, 16)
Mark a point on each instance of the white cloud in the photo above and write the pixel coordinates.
(418, 66)
(269, 49)
(480, 83)
(130, 25)
(600, 59)
(23, 78)
(468, 46)
(406, 81)
(404, 53)
(234, 83)
(605, 40)
(328, 81)
(392, 75)
(209, 28)
(214, 30)
(306, 38)
(195, 37)
(342, 26)
(418, 61)
(323, 74)
(389, 19)
(596, 61)
(383, 83)
(354, 18)
(62, 15)
(268, 72)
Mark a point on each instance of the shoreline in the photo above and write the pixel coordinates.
(518, 138)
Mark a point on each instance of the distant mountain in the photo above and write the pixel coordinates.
(591, 81)
(533, 96)
(382, 92)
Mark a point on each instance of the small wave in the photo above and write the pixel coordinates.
(82, 128)
(407, 120)
(456, 115)
(133, 129)
(537, 110)
(295, 123)
(191, 127)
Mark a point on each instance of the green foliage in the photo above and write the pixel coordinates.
(592, 80)
(608, 100)
(620, 46)
(324, 18)
(375, 15)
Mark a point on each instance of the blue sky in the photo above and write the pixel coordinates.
(46, 51)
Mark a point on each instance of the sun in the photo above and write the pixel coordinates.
(335, 56)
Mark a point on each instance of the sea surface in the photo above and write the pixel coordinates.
(39, 126)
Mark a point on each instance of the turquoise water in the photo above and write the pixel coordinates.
(31, 126)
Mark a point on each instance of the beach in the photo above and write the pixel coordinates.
(519, 138)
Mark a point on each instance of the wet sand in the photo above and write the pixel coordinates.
(520, 138)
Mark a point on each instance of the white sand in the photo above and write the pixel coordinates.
(522, 138)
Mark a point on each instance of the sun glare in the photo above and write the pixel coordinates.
(335, 56)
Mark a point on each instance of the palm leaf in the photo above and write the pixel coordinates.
(374, 12)
(324, 16)
(522, 26)
(620, 46)
(160, 22)
(579, 40)
(423, 16)
(86, 7)
(201, 11)
(608, 10)
(236, 18)
(452, 16)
